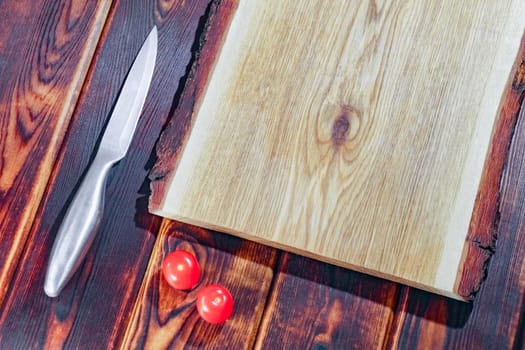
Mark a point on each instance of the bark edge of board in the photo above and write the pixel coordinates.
(482, 235)
(173, 138)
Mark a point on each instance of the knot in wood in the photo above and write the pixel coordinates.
(340, 130)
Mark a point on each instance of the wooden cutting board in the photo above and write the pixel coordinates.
(355, 132)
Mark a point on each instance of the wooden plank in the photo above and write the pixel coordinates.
(164, 318)
(495, 319)
(45, 51)
(318, 306)
(354, 133)
(93, 310)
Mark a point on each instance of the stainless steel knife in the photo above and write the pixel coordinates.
(78, 228)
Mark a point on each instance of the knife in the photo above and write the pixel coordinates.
(77, 230)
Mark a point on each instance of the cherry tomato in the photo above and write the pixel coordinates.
(181, 270)
(214, 303)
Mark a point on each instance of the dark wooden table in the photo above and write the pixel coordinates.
(62, 64)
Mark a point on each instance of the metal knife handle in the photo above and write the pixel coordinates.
(78, 229)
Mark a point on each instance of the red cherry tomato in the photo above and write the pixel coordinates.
(214, 303)
(181, 270)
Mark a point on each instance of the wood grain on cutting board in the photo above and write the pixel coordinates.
(354, 132)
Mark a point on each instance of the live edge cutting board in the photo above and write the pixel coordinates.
(355, 132)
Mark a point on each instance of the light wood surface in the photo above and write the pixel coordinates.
(422, 322)
(355, 133)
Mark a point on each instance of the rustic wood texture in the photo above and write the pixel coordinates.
(93, 309)
(481, 240)
(45, 51)
(355, 133)
(495, 320)
(164, 318)
(318, 306)
(309, 303)
(172, 140)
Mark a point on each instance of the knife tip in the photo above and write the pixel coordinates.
(53, 284)
(51, 291)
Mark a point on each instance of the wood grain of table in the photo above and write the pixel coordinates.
(62, 64)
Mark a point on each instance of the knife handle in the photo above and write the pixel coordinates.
(78, 229)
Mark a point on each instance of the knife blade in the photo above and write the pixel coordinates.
(77, 230)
